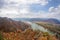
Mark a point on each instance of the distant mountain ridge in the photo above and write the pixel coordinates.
(49, 20)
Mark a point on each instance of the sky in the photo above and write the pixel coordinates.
(30, 8)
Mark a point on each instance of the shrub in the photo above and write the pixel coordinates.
(1, 37)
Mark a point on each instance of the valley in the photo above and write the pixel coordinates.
(26, 30)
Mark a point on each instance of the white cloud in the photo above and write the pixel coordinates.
(51, 9)
(54, 12)
(23, 11)
(29, 14)
(12, 8)
(8, 13)
(42, 2)
(20, 8)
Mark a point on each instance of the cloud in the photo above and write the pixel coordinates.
(51, 9)
(21, 8)
(8, 13)
(42, 2)
(22, 3)
(18, 3)
(13, 8)
(54, 12)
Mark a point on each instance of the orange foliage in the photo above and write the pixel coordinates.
(27, 35)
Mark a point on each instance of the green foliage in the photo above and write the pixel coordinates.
(45, 34)
(1, 37)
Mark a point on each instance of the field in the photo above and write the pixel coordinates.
(55, 28)
(52, 27)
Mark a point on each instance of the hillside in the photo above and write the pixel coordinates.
(7, 24)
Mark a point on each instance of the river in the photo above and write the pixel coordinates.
(35, 26)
